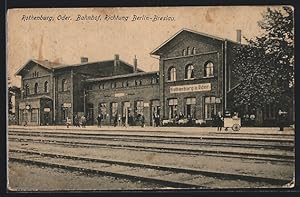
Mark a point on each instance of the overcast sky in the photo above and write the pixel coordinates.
(66, 41)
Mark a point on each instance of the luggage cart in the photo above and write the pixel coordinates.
(233, 123)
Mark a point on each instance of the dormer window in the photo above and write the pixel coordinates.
(183, 52)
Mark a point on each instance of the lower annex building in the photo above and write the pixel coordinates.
(193, 81)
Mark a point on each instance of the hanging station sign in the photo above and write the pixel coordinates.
(191, 88)
(119, 94)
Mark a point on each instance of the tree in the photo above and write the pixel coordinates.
(265, 65)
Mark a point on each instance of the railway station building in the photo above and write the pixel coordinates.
(193, 81)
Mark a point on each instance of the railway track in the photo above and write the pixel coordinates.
(211, 135)
(275, 143)
(166, 176)
(160, 149)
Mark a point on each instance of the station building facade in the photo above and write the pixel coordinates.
(51, 92)
(193, 81)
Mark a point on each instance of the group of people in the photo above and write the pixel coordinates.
(121, 121)
(79, 121)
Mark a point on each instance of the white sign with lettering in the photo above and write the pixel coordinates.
(146, 104)
(119, 94)
(191, 88)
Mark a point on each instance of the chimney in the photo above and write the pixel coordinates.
(116, 63)
(239, 36)
(84, 59)
(134, 64)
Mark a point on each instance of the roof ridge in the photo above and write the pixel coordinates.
(192, 31)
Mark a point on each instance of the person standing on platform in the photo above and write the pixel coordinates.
(115, 120)
(281, 121)
(99, 119)
(83, 121)
(219, 121)
(143, 120)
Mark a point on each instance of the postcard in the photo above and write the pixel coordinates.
(150, 98)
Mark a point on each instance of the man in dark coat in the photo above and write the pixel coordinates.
(99, 119)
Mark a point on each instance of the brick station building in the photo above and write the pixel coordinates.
(193, 81)
(51, 92)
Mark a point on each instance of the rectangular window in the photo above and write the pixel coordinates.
(34, 115)
(126, 106)
(114, 109)
(102, 109)
(139, 107)
(190, 107)
(210, 107)
(173, 103)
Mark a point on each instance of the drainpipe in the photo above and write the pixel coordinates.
(84, 101)
(225, 74)
(54, 98)
(72, 94)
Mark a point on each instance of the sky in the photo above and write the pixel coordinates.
(65, 41)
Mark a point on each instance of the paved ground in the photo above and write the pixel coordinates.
(177, 130)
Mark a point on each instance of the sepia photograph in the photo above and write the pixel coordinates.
(150, 98)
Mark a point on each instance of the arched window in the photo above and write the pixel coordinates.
(188, 51)
(154, 80)
(125, 83)
(183, 52)
(101, 86)
(209, 69)
(172, 74)
(189, 71)
(36, 85)
(194, 51)
(46, 86)
(113, 84)
(27, 90)
(64, 85)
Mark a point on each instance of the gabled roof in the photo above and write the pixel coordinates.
(121, 76)
(103, 62)
(155, 51)
(46, 64)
